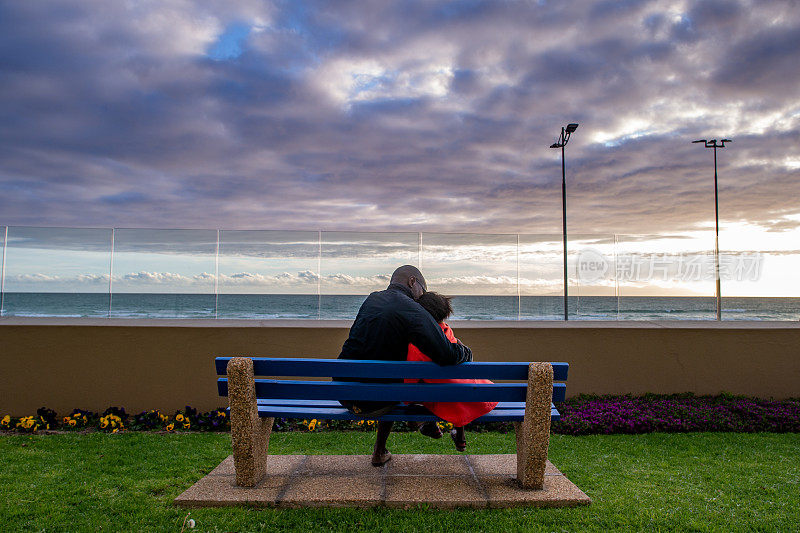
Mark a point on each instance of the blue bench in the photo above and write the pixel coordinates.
(255, 403)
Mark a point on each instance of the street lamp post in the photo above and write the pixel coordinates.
(713, 144)
(561, 143)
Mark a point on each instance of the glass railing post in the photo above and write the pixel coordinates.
(3, 272)
(216, 278)
(419, 252)
(616, 272)
(519, 293)
(111, 275)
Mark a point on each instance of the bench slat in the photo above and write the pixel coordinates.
(420, 392)
(336, 404)
(400, 414)
(343, 368)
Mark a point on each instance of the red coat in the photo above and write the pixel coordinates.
(457, 413)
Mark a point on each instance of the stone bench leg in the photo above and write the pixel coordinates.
(249, 432)
(533, 433)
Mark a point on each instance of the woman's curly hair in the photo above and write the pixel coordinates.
(438, 305)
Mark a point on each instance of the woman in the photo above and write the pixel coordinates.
(457, 413)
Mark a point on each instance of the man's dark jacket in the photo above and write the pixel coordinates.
(389, 320)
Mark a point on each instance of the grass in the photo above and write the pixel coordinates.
(657, 481)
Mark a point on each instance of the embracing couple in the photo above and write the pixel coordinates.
(405, 322)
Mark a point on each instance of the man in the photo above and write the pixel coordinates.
(386, 323)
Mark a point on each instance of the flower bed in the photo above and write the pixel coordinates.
(581, 415)
(584, 415)
(115, 419)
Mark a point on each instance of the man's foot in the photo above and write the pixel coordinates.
(431, 429)
(459, 439)
(380, 459)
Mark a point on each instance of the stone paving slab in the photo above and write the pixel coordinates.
(437, 481)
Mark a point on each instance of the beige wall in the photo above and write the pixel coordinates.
(145, 364)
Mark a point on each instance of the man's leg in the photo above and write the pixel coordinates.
(381, 455)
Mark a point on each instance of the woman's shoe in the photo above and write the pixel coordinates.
(459, 440)
(431, 429)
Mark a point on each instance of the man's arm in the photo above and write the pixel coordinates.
(426, 335)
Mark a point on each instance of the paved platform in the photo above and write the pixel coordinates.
(438, 481)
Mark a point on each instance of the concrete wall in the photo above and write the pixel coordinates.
(166, 364)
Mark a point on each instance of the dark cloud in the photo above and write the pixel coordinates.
(766, 59)
(433, 116)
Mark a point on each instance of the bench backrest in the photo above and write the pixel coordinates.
(341, 369)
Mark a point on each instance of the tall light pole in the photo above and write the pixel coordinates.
(713, 144)
(561, 143)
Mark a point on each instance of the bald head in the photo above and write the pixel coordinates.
(411, 277)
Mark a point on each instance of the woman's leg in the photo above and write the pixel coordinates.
(429, 429)
(380, 454)
(459, 438)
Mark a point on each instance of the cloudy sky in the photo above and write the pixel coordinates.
(402, 116)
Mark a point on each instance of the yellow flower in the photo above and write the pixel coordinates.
(67, 419)
(72, 422)
(187, 425)
(171, 427)
(6, 420)
(114, 430)
(312, 425)
(360, 422)
(370, 422)
(179, 418)
(103, 423)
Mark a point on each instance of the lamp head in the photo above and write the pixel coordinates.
(726, 141)
(555, 145)
(571, 127)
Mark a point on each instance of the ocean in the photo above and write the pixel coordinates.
(345, 307)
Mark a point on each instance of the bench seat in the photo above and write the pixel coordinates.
(333, 410)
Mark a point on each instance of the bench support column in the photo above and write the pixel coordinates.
(533, 433)
(249, 432)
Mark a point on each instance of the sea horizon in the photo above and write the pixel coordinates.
(345, 306)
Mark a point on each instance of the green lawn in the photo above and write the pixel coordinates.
(699, 481)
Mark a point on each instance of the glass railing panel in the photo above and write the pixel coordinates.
(541, 277)
(666, 277)
(758, 272)
(164, 273)
(268, 274)
(478, 270)
(593, 291)
(56, 272)
(353, 264)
